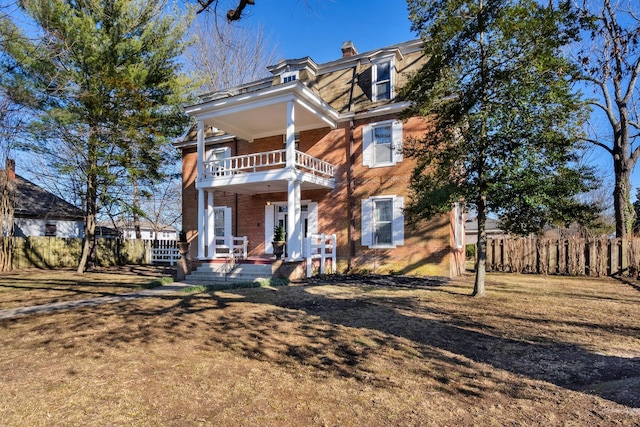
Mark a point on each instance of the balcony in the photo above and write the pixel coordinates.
(266, 172)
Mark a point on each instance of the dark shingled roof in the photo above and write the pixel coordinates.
(32, 201)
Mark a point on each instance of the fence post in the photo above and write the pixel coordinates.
(624, 257)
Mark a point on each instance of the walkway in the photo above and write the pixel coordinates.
(67, 305)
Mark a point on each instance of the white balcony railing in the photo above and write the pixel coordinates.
(267, 160)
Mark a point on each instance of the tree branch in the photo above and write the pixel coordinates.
(598, 144)
(232, 14)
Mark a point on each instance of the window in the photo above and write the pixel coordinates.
(216, 160)
(382, 80)
(382, 144)
(50, 229)
(458, 234)
(220, 220)
(383, 222)
(289, 76)
(382, 217)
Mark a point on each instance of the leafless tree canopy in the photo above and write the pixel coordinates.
(233, 14)
(225, 55)
(609, 61)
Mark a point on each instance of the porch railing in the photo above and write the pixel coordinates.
(321, 247)
(267, 160)
(231, 247)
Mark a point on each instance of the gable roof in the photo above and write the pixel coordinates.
(32, 201)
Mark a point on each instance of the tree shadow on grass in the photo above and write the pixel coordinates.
(342, 335)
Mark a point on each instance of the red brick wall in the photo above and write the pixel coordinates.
(428, 249)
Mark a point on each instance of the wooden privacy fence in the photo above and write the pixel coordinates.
(573, 256)
(56, 252)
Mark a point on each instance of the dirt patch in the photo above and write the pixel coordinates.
(345, 351)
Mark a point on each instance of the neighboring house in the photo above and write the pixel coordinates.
(127, 230)
(316, 148)
(491, 228)
(38, 212)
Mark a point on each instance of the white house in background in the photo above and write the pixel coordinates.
(41, 213)
(127, 230)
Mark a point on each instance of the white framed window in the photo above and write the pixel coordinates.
(458, 231)
(382, 143)
(382, 80)
(214, 159)
(221, 224)
(383, 222)
(289, 76)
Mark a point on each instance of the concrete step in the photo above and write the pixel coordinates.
(219, 272)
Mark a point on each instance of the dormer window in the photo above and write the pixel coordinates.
(289, 76)
(382, 80)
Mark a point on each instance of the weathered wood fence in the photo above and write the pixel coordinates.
(573, 256)
(56, 252)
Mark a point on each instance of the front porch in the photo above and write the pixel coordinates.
(284, 110)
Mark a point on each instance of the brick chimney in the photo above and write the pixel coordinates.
(348, 49)
(11, 170)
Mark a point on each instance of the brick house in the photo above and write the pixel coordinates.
(315, 148)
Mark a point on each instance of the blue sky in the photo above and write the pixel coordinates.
(318, 28)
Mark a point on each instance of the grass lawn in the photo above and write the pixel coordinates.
(353, 351)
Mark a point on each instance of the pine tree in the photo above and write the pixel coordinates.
(103, 78)
(504, 117)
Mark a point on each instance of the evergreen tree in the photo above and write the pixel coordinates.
(103, 78)
(504, 118)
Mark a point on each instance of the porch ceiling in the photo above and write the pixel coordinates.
(264, 113)
(267, 184)
(266, 187)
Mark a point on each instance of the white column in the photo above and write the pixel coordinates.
(290, 136)
(200, 150)
(294, 229)
(211, 241)
(201, 224)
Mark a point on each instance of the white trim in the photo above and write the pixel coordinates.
(269, 225)
(368, 143)
(386, 59)
(458, 227)
(397, 222)
(295, 74)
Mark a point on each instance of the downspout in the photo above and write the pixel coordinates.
(350, 203)
(350, 183)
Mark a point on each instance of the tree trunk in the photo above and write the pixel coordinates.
(136, 209)
(91, 203)
(624, 212)
(481, 262)
(7, 189)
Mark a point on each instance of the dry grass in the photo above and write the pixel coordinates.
(350, 352)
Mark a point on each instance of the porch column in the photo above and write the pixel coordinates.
(201, 224)
(211, 241)
(290, 137)
(294, 228)
(200, 150)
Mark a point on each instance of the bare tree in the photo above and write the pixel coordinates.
(10, 124)
(233, 14)
(609, 62)
(225, 55)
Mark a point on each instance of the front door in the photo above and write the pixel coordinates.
(276, 214)
(281, 218)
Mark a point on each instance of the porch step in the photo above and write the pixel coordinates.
(209, 273)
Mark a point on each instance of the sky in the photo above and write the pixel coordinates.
(317, 28)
